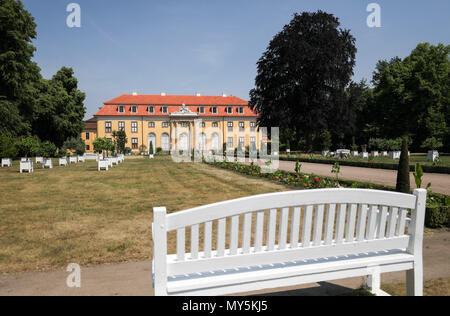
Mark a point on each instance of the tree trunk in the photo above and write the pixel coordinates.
(403, 182)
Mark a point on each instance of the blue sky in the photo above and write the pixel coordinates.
(207, 46)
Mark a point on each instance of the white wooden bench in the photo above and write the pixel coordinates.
(311, 236)
(73, 159)
(26, 166)
(63, 161)
(6, 162)
(48, 163)
(103, 164)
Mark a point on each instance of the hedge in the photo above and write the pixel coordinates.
(375, 165)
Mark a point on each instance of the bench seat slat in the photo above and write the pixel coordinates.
(269, 257)
(251, 274)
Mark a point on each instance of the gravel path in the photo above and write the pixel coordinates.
(440, 183)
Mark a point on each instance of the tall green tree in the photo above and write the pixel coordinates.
(17, 72)
(120, 140)
(60, 111)
(302, 76)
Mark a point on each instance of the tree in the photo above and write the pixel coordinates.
(74, 144)
(8, 148)
(103, 145)
(29, 146)
(411, 95)
(151, 150)
(17, 71)
(302, 76)
(48, 149)
(120, 140)
(60, 111)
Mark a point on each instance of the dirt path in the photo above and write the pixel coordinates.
(135, 278)
(440, 183)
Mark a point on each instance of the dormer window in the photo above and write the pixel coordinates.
(121, 109)
(214, 110)
(134, 109)
(151, 109)
(201, 110)
(164, 109)
(240, 110)
(229, 110)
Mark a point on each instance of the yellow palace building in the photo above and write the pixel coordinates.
(177, 122)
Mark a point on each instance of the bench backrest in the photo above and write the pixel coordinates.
(299, 225)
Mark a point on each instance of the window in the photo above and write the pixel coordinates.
(241, 126)
(107, 127)
(201, 110)
(165, 124)
(214, 110)
(252, 126)
(151, 109)
(241, 142)
(134, 109)
(183, 124)
(121, 109)
(229, 110)
(88, 147)
(240, 110)
(230, 143)
(121, 126)
(87, 136)
(134, 143)
(203, 124)
(134, 127)
(215, 124)
(164, 109)
(252, 143)
(151, 124)
(230, 126)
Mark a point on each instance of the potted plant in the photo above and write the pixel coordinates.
(432, 144)
(364, 154)
(48, 151)
(151, 151)
(354, 149)
(394, 146)
(383, 147)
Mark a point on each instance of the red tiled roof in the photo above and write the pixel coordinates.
(174, 104)
(90, 124)
(176, 100)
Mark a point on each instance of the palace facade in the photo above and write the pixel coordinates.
(178, 122)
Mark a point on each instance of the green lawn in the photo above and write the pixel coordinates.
(76, 214)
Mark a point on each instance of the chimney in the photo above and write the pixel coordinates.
(163, 94)
(198, 94)
(224, 95)
(135, 93)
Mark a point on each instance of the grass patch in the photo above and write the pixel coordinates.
(51, 218)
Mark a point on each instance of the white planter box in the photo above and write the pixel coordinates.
(81, 159)
(375, 153)
(99, 157)
(114, 160)
(63, 161)
(39, 160)
(48, 163)
(395, 154)
(103, 164)
(384, 153)
(325, 153)
(6, 162)
(73, 159)
(24, 159)
(151, 156)
(364, 155)
(432, 155)
(26, 166)
(355, 153)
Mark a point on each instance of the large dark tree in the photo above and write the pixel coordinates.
(303, 75)
(17, 71)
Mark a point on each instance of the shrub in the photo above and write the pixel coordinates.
(29, 146)
(48, 149)
(74, 145)
(437, 216)
(8, 147)
(432, 143)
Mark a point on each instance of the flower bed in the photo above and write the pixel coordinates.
(438, 205)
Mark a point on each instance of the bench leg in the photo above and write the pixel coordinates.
(374, 283)
(414, 280)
